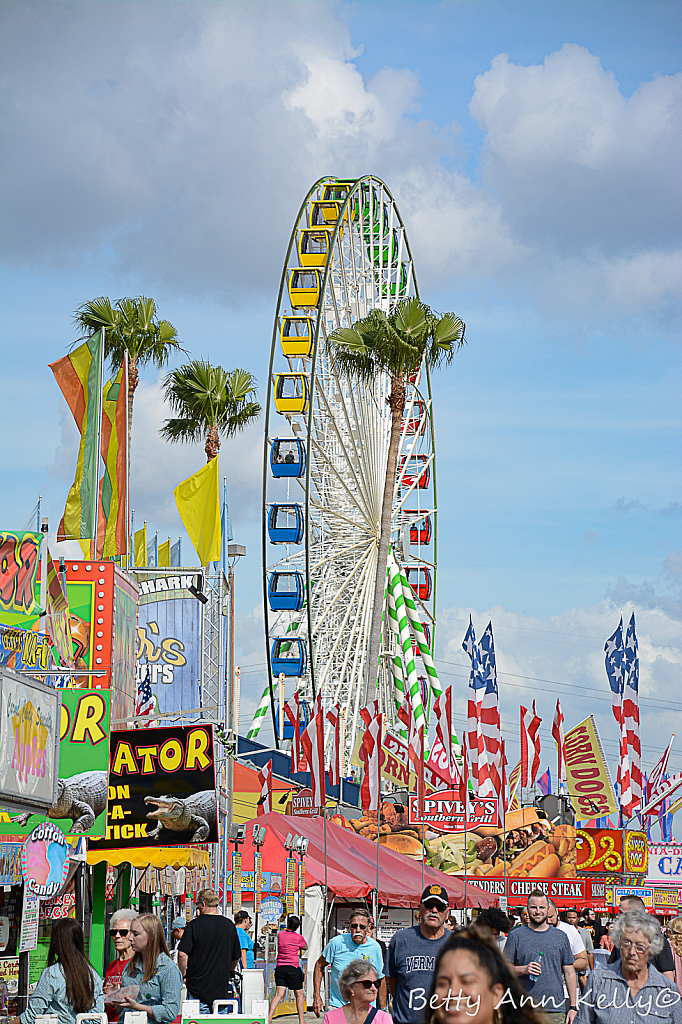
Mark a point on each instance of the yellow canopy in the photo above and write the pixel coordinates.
(147, 857)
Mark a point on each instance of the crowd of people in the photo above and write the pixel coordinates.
(538, 969)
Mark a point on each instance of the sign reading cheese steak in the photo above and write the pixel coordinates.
(566, 892)
(161, 788)
(589, 782)
(444, 812)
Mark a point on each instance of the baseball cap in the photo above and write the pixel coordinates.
(178, 922)
(435, 892)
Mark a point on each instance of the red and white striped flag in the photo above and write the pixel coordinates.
(664, 790)
(265, 779)
(334, 719)
(370, 712)
(530, 746)
(558, 734)
(312, 742)
(627, 802)
(483, 721)
(370, 754)
(292, 711)
(442, 709)
(630, 712)
(659, 769)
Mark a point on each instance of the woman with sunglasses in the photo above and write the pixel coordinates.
(359, 985)
(119, 929)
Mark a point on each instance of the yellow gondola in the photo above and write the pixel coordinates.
(292, 392)
(324, 214)
(297, 335)
(313, 246)
(305, 286)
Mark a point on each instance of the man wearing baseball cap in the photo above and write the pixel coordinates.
(412, 956)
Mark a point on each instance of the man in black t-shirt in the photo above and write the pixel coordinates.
(209, 949)
(662, 961)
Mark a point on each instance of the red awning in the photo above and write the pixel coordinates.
(352, 864)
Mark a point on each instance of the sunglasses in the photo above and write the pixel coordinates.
(358, 927)
(434, 905)
(367, 984)
(119, 931)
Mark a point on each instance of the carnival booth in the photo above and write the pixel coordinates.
(344, 870)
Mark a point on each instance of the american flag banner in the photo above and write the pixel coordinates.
(530, 746)
(630, 711)
(265, 779)
(661, 794)
(312, 742)
(558, 734)
(627, 804)
(614, 668)
(370, 754)
(144, 698)
(442, 709)
(490, 711)
(334, 718)
(480, 723)
(292, 711)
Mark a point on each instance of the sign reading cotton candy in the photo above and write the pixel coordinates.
(45, 861)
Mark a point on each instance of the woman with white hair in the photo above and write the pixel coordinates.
(631, 989)
(119, 929)
(359, 987)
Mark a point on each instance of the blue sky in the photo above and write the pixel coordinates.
(533, 149)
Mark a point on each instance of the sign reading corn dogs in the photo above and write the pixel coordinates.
(589, 782)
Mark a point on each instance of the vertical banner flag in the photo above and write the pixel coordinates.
(660, 768)
(292, 711)
(265, 779)
(589, 782)
(312, 742)
(79, 376)
(163, 555)
(236, 881)
(112, 528)
(140, 547)
(19, 562)
(490, 709)
(545, 783)
(334, 719)
(58, 614)
(630, 711)
(198, 501)
(257, 880)
(558, 734)
(514, 783)
(442, 708)
(530, 746)
(476, 741)
(370, 753)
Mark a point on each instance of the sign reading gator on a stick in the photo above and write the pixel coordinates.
(161, 788)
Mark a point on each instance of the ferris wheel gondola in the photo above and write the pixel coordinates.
(326, 447)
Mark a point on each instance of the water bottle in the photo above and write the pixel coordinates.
(532, 978)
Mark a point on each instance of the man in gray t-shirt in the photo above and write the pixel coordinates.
(412, 957)
(540, 956)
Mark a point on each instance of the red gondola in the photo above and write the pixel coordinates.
(413, 466)
(419, 578)
(415, 423)
(421, 530)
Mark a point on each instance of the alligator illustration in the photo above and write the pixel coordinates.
(81, 797)
(177, 814)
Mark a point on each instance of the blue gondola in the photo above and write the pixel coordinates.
(287, 457)
(288, 656)
(286, 591)
(285, 524)
(303, 717)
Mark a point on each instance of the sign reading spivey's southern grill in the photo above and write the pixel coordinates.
(444, 812)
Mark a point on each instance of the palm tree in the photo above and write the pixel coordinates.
(130, 326)
(393, 343)
(208, 401)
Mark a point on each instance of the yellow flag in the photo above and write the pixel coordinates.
(198, 502)
(164, 558)
(86, 548)
(140, 547)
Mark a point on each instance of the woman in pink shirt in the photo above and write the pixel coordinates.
(288, 974)
(359, 986)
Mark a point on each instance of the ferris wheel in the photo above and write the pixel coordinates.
(326, 448)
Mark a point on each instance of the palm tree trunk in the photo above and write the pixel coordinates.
(212, 446)
(397, 403)
(133, 381)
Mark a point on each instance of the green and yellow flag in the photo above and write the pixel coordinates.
(79, 375)
(58, 622)
(140, 548)
(198, 502)
(164, 555)
(111, 525)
